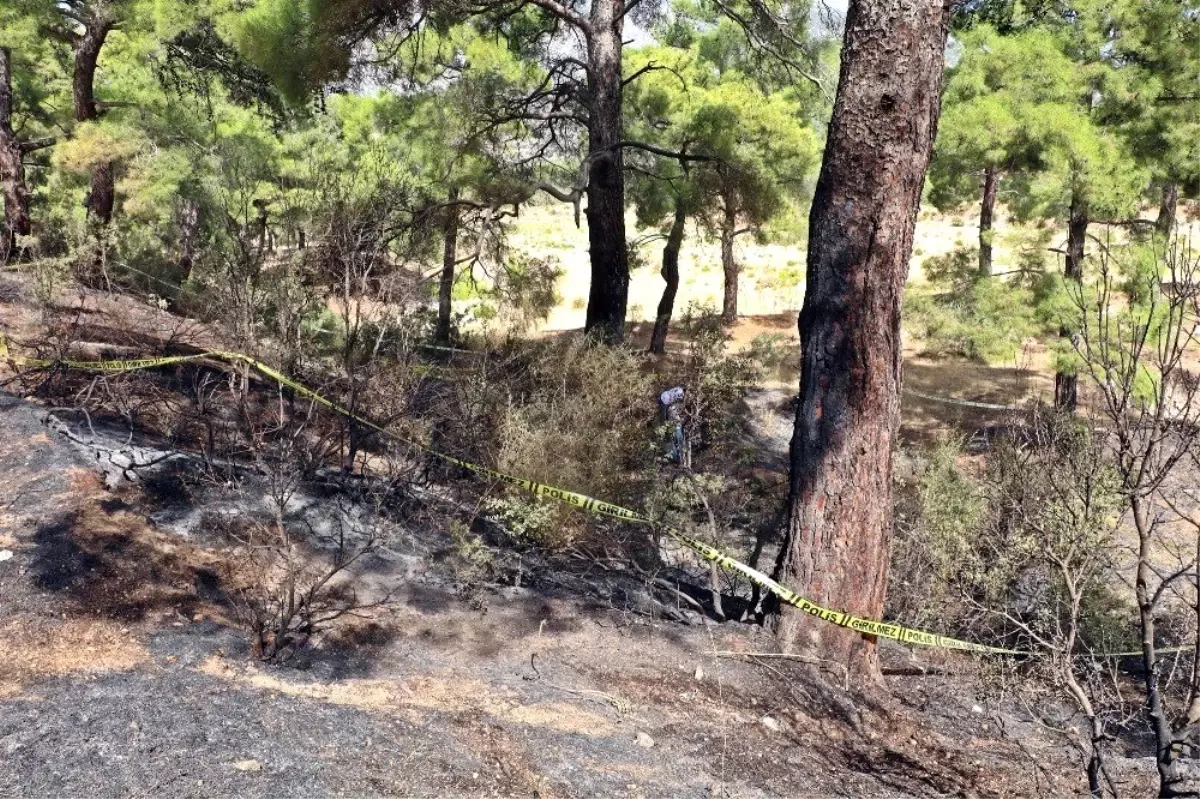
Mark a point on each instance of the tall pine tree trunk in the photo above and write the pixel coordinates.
(864, 210)
(87, 56)
(670, 274)
(1166, 209)
(729, 300)
(102, 197)
(12, 177)
(449, 257)
(1066, 384)
(991, 181)
(606, 180)
(187, 217)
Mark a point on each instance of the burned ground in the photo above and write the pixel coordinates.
(125, 670)
(126, 673)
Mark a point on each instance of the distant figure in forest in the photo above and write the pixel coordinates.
(670, 408)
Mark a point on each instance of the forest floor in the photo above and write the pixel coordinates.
(125, 671)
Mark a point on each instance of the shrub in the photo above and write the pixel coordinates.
(294, 576)
(714, 379)
(289, 590)
(984, 319)
(993, 551)
(565, 412)
(938, 515)
(953, 272)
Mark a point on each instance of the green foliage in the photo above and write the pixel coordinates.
(955, 271)
(761, 148)
(984, 319)
(769, 350)
(1128, 325)
(992, 545)
(518, 296)
(997, 99)
(938, 516)
(1071, 104)
(528, 290)
(297, 42)
(1150, 98)
(713, 377)
(568, 413)
(471, 559)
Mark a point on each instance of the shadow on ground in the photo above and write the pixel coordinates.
(108, 564)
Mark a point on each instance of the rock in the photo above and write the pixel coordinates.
(247, 765)
(644, 740)
(699, 673)
(5, 554)
(976, 709)
(771, 724)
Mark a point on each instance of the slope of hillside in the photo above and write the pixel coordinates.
(126, 670)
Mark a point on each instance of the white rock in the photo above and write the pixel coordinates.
(247, 765)
(5, 554)
(771, 724)
(644, 740)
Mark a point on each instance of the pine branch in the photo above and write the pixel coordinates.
(678, 155)
(565, 14)
(37, 144)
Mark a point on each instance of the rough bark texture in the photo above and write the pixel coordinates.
(87, 56)
(729, 301)
(861, 232)
(1166, 209)
(188, 220)
(991, 181)
(1066, 386)
(670, 275)
(449, 257)
(12, 178)
(606, 181)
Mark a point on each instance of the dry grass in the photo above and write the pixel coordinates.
(417, 697)
(768, 285)
(38, 648)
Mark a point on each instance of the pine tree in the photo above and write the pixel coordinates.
(836, 549)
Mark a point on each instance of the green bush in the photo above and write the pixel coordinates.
(714, 378)
(985, 319)
(938, 515)
(991, 549)
(564, 412)
(954, 272)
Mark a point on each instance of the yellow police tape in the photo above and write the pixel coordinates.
(879, 629)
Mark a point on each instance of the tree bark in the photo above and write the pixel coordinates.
(449, 257)
(12, 176)
(1066, 385)
(670, 274)
(609, 293)
(864, 210)
(83, 82)
(991, 181)
(188, 219)
(729, 301)
(261, 225)
(1166, 209)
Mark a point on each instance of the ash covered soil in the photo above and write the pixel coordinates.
(125, 673)
(124, 670)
